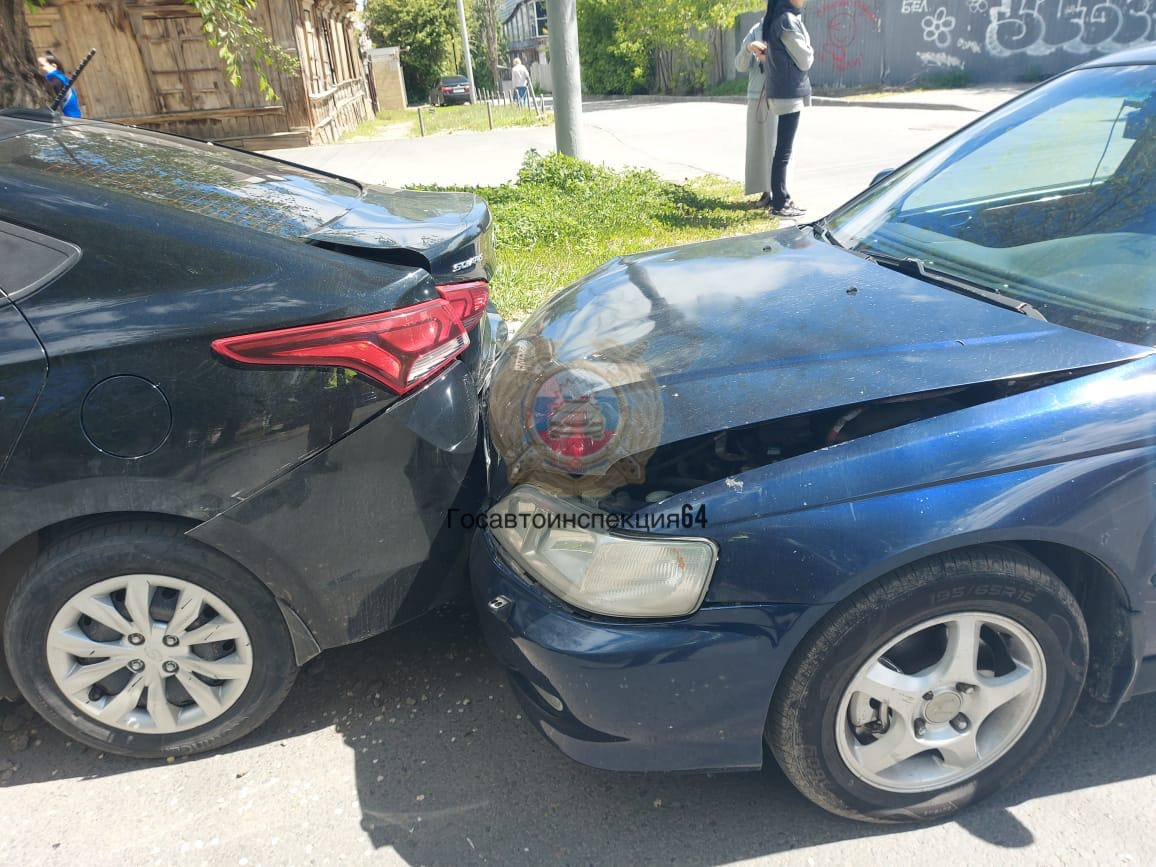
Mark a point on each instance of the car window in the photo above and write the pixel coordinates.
(235, 187)
(29, 260)
(1051, 199)
(1078, 142)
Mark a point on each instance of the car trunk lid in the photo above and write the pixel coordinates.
(448, 234)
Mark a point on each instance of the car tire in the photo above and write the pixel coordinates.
(954, 744)
(231, 657)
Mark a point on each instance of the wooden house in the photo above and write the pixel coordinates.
(154, 68)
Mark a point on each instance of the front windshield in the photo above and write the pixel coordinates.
(1049, 200)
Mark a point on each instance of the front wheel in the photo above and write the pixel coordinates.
(931, 689)
(137, 640)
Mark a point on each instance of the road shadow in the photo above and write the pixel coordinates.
(461, 776)
(448, 772)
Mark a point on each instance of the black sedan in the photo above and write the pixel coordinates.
(451, 90)
(237, 400)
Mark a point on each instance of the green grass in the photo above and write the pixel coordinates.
(450, 118)
(734, 87)
(563, 217)
(454, 118)
(373, 127)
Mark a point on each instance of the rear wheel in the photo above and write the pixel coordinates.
(932, 689)
(140, 641)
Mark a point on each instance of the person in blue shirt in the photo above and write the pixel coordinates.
(57, 80)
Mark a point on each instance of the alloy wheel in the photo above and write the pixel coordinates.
(941, 702)
(149, 653)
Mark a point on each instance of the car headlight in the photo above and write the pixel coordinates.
(566, 548)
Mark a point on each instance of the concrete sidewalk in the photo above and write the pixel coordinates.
(839, 149)
(977, 99)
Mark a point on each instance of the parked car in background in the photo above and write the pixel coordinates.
(238, 399)
(451, 90)
(875, 492)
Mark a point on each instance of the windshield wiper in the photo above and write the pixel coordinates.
(821, 229)
(918, 268)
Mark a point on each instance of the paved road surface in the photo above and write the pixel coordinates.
(408, 749)
(838, 151)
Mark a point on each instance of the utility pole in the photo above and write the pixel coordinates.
(466, 49)
(562, 19)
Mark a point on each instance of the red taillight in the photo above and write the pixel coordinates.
(400, 349)
(447, 90)
(469, 300)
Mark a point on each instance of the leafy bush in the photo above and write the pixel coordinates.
(948, 80)
(605, 68)
(731, 87)
(661, 45)
(563, 217)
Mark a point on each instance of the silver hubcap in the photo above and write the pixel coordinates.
(149, 653)
(941, 702)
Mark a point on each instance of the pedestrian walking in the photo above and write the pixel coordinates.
(53, 70)
(788, 57)
(520, 76)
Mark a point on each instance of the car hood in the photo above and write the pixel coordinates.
(449, 232)
(692, 340)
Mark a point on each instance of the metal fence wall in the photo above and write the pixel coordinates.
(869, 42)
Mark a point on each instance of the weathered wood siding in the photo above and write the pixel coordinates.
(155, 68)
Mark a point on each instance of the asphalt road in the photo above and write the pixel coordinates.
(410, 749)
(838, 151)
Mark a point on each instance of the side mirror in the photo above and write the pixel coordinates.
(880, 177)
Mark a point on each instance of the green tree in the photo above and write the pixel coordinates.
(20, 83)
(423, 29)
(239, 41)
(487, 43)
(228, 26)
(661, 42)
(606, 69)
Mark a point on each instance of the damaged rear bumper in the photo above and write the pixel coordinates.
(691, 694)
(355, 540)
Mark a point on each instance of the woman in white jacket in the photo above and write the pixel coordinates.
(776, 55)
(760, 121)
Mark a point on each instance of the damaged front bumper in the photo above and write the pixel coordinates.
(673, 695)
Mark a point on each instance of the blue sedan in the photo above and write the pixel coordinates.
(875, 492)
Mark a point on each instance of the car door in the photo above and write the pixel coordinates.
(28, 260)
(23, 368)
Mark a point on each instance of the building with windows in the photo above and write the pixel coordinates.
(155, 68)
(525, 28)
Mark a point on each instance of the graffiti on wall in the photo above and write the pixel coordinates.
(1040, 27)
(938, 28)
(845, 19)
(939, 60)
(868, 42)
